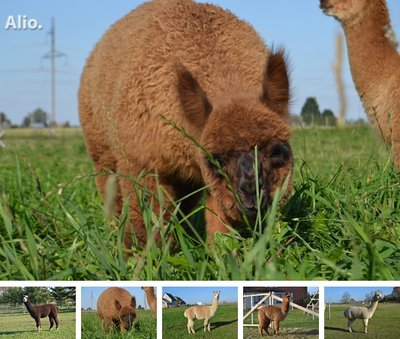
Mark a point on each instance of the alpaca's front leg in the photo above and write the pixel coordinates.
(214, 219)
(350, 322)
(276, 327)
(205, 324)
(150, 185)
(267, 322)
(38, 325)
(190, 325)
(51, 323)
(365, 321)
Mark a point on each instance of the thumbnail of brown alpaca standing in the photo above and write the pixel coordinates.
(269, 313)
(374, 62)
(209, 73)
(151, 298)
(41, 311)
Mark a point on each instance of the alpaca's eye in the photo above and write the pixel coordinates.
(214, 161)
(280, 153)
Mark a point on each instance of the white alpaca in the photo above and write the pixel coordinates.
(362, 312)
(202, 312)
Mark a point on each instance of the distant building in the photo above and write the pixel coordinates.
(180, 302)
(168, 300)
(299, 293)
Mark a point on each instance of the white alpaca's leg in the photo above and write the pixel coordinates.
(350, 322)
(209, 324)
(205, 324)
(190, 326)
(365, 321)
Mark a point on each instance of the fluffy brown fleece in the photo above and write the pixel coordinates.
(116, 307)
(269, 313)
(211, 74)
(374, 62)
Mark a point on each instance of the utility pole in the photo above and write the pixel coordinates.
(91, 299)
(52, 55)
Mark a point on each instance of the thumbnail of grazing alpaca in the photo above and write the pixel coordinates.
(116, 307)
(197, 67)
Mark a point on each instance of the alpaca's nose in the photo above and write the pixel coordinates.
(247, 183)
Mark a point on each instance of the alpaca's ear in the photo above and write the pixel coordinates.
(133, 302)
(192, 98)
(117, 305)
(276, 92)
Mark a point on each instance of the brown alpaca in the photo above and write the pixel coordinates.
(41, 311)
(374, 62)
(116, 307)
(211, 74)
(269, 313)
(151, 299)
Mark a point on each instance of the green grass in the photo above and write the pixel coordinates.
(224, 324)
(144, 328)
(342, 221)
(23, 326)
(296, 325)
(383, 324)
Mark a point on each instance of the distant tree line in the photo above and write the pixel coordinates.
(62, 296)
(393, 297)
(312, 116)
(37, 118)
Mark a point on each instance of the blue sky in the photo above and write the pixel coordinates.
(334, 294)
(192, 295)
(299, 26)
(91, 294)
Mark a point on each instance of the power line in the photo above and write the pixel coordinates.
(52, 55)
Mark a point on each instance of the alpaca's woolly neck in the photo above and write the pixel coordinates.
(370, 50)
(285, 305)
(29, 307)
(214, 305)
(371, 308)
(151, 299)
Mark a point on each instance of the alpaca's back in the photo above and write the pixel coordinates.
(356, 312)
(129, 79)
(199, 312)
(106, 302)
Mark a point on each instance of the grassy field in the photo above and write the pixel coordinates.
(224, 324)
(342, 221)
(384, 323)
(296, 325)
(145, 327)
(23, 326)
